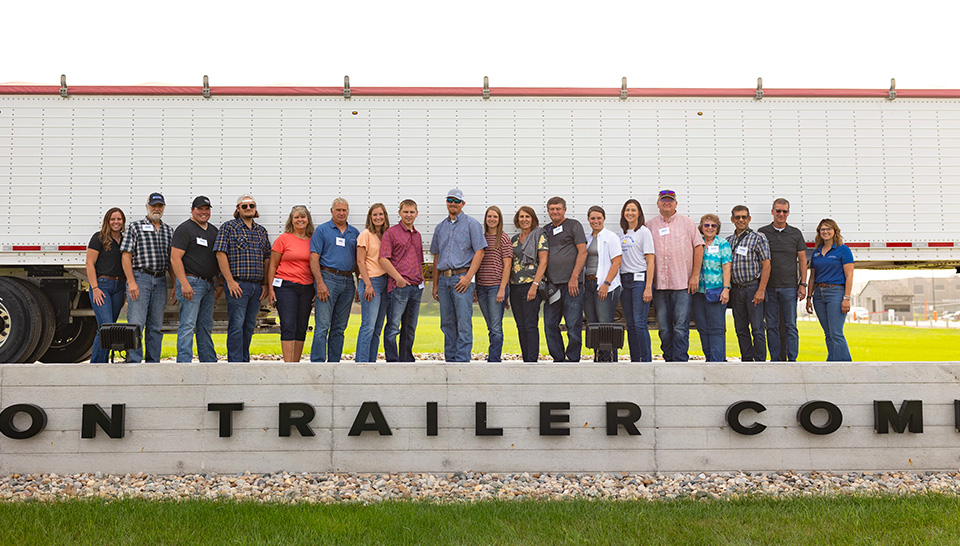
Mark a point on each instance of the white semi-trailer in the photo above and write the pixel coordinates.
(884, 164)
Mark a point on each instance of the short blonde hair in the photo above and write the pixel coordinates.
(709, 216)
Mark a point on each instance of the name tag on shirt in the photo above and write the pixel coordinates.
(642, 276)
(558, 230)
(664, 231)
(713, 249)
(742, 250)
(341, 241)
(148, 227)
(277, 281)
(201, 241)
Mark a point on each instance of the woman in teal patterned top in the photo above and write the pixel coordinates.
(709, 306)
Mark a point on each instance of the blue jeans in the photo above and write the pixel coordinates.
(711, 321)
(294, 303)
(147, 311)
(372, 314)
(242, 320)
(570, 308)
(403, 310)
(637, 312)
(330, 318)
(673, 319)
(781, 304)
(827, 303)
(456, 319)
(598, 310)
(748, 322)
(527, 315)
(113, 294)
(493, 314)
(196, 315)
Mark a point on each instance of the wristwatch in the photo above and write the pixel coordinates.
(606, 283)
(803, 284)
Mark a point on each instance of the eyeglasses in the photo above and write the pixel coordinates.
(246, 206)
(740, 217)
(710, 226)
(778, 211)
(825, 229)
(454, 200)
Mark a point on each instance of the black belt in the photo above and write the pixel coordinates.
(111, 277)
(336, 271)
(590, 277)
(254, 281)
(152, 272)
(828, 285)
(209, 280)
(746, 284)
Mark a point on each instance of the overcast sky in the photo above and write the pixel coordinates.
(845, 43)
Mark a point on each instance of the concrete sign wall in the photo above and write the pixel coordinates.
(435, 417)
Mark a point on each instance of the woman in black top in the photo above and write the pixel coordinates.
(105, 275)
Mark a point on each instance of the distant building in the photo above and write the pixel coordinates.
(915, 295)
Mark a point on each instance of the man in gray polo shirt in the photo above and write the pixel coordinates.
(568, 254)
(788, 255)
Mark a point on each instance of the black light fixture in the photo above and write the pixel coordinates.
(119, 337)
(605, 338)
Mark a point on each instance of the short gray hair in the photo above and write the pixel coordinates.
(339, 201)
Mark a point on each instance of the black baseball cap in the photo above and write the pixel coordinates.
(201, 201)
(156, 199)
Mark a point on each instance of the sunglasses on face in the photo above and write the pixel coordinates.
(246, 206)
(710, 226)
(778, 211)
(740, 217)
(454, 200)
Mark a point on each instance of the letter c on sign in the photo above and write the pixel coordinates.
(733, 417)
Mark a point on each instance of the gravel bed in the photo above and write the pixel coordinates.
(466, 486)
(434, 357)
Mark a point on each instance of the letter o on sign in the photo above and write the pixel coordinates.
(38, 421)
(834, 417)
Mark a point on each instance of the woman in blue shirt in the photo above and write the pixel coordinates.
(709, 305)
(831, 281)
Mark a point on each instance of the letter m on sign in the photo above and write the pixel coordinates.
(910, 416)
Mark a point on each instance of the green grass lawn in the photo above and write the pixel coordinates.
(922, 519)
(867, 342)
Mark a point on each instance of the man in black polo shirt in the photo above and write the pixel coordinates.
(195, 266)
(788, 257)
(568, 254)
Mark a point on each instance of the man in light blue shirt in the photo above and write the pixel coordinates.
(457, 246)
(333, 260)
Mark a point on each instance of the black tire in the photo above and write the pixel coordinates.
(34, 317)
(73, 342)
(15, 327)
(48, 319)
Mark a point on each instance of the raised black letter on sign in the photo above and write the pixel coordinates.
(615, 420)
(910, 416)
(431, 418)
(302, 422)
(38, 421)
(547, 418)
(226, 416)
(834, 417)
(956, 414)
(733, 417)
(94, 416)
(379, 424)
(481, 424)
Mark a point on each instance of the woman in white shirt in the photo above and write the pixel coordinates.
(601, 287)
(636, 276)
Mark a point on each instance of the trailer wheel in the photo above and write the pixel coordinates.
(14, 323)
(47, 325)
(73, 342)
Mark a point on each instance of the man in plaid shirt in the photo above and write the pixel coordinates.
(146, 256)
(751, 271)
(243, 252)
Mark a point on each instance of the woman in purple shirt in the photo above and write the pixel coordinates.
(831, 281)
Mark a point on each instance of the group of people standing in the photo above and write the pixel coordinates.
(680, 267)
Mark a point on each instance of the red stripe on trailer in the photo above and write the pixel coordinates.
(899, 245)
(71, 247)
(26, 247)
(858, 245)
(940, 245)
(811, 245)
(473, 91)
